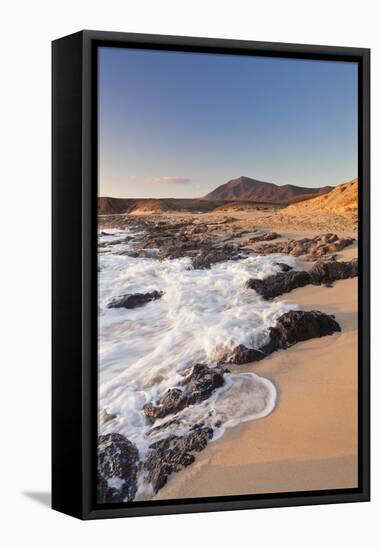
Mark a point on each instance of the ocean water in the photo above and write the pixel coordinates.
(201, 315)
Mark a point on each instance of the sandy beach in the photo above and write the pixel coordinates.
(309, 442)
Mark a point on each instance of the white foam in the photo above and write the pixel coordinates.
(202, 313)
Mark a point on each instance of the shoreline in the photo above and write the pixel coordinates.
(309, 441)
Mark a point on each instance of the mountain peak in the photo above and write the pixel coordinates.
(249, 189)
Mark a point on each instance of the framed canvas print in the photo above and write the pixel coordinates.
(210, 274)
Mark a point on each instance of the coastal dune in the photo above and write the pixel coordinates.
(343, 198)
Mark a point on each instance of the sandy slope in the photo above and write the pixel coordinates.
(343, 198)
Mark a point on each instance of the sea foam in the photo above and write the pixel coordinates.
(202, 313)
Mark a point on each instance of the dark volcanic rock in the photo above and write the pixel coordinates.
(197, 387)
(284, 267)
(327, 272)
(208, 256)
(315, 247)
(329, 244)
(242, 354)
(118, 464)
(174, 421)
(298, 326)
(202, 381)
(264, 237)
(173, 454)
(173, 401)
(124, 240)
(278, 284)
(203, 242)
(290, 328)
(131, 301)
(321, 273)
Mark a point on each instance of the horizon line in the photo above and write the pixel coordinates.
(203, 197)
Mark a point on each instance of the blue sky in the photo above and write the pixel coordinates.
(178, 124)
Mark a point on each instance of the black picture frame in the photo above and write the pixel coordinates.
(74, 272)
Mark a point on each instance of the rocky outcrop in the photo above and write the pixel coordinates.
(197, 387)
(278, 284)
(283, 266)
(321, 273)
(107, 244)
(297, 326)
(327, 272)
(290, 328)
(270, 236)
(242, 354)
(205, 243)
(314, 248)
(118, 464)
(208, 256)
(130, 301)
(174, 453)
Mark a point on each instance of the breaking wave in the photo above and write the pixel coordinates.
(202, 314)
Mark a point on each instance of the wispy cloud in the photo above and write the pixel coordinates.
(168, 179)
